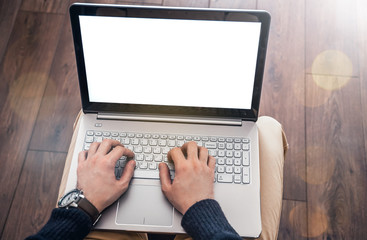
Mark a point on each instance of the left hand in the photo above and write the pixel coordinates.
(96, 176)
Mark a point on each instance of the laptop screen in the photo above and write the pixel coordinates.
(174, 62)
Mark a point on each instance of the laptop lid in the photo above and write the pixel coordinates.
(171, 61)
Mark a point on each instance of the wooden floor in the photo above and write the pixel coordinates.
(315, 85)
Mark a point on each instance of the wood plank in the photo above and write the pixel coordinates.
(187, 3)
(8, 13)
(23, 73)
(46, 6)
(362, 46)
(237, 4)
(36, 194)
(61, 101)
(293, 222)
(336, 166)
(283, 87)
(330, 25)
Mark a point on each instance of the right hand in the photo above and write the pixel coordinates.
(194, 176)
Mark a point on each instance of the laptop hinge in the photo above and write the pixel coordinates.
(151, 118)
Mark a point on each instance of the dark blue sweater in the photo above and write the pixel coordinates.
(204, 220)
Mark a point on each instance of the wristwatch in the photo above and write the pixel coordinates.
(76, 199)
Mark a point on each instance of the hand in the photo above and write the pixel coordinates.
(194, 176)
(96, 175)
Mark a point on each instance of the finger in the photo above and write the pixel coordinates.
(203, 154)
(176, 156)
(93, 148)
(211, 163)
(119, 151)
(165, 178)
(128, 172)
(106, 145)
(191, 150)
(82, 156)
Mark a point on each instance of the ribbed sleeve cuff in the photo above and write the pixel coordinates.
(206, 220)
(69, 223)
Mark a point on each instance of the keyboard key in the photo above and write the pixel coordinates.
(210, 145)
(237, 178)
(89, 139)
(246, 175)
(229, 146)
(106, 134)
(229, 169)
(90, 133)
(158, 158)
(229, 154)
(224, 178)
(237, 146)
(246, 159)
(143, 165)
(98, 139)
(220, 169)
(197, 138)
(139, 157)
(114, 134)
(237, 154)
(98, 133)
(229, 161)
(152, 165)
(138, 149)
(237, 162)
(245, 140)
(149, 157)
(246, 146)
(237, 170)
(220, 161)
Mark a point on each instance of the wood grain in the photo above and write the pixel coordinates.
(362, 45)
(283, 87)
(237, 4)
(331, 25)
(336, 167)
(8, 13)
(23, 74)
(36, 195)
(61, 100)
(47, 6)
(293, 222)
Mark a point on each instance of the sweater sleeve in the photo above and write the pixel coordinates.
(64, 223)
(206, 220)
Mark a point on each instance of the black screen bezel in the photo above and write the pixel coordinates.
(171, 13)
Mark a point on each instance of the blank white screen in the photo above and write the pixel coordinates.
(171, 62)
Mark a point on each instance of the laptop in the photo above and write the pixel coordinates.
(157, 77)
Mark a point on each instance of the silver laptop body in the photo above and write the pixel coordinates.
(173, 73)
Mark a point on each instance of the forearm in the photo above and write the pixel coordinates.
(70, 223)
(206, 220)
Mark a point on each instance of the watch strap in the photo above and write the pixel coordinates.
(89, 208)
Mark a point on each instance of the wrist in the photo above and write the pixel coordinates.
(76, 199)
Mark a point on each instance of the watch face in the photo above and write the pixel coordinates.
(69, 198)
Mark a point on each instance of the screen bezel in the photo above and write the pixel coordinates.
(263, 17)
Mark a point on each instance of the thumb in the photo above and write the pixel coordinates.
(165, 178)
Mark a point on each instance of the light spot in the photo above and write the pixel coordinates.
(317, 221)
(332, 69)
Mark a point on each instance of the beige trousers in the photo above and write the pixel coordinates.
(273, 146)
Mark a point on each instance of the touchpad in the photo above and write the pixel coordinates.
(144, 205)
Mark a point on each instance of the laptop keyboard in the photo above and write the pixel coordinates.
(232, 153)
